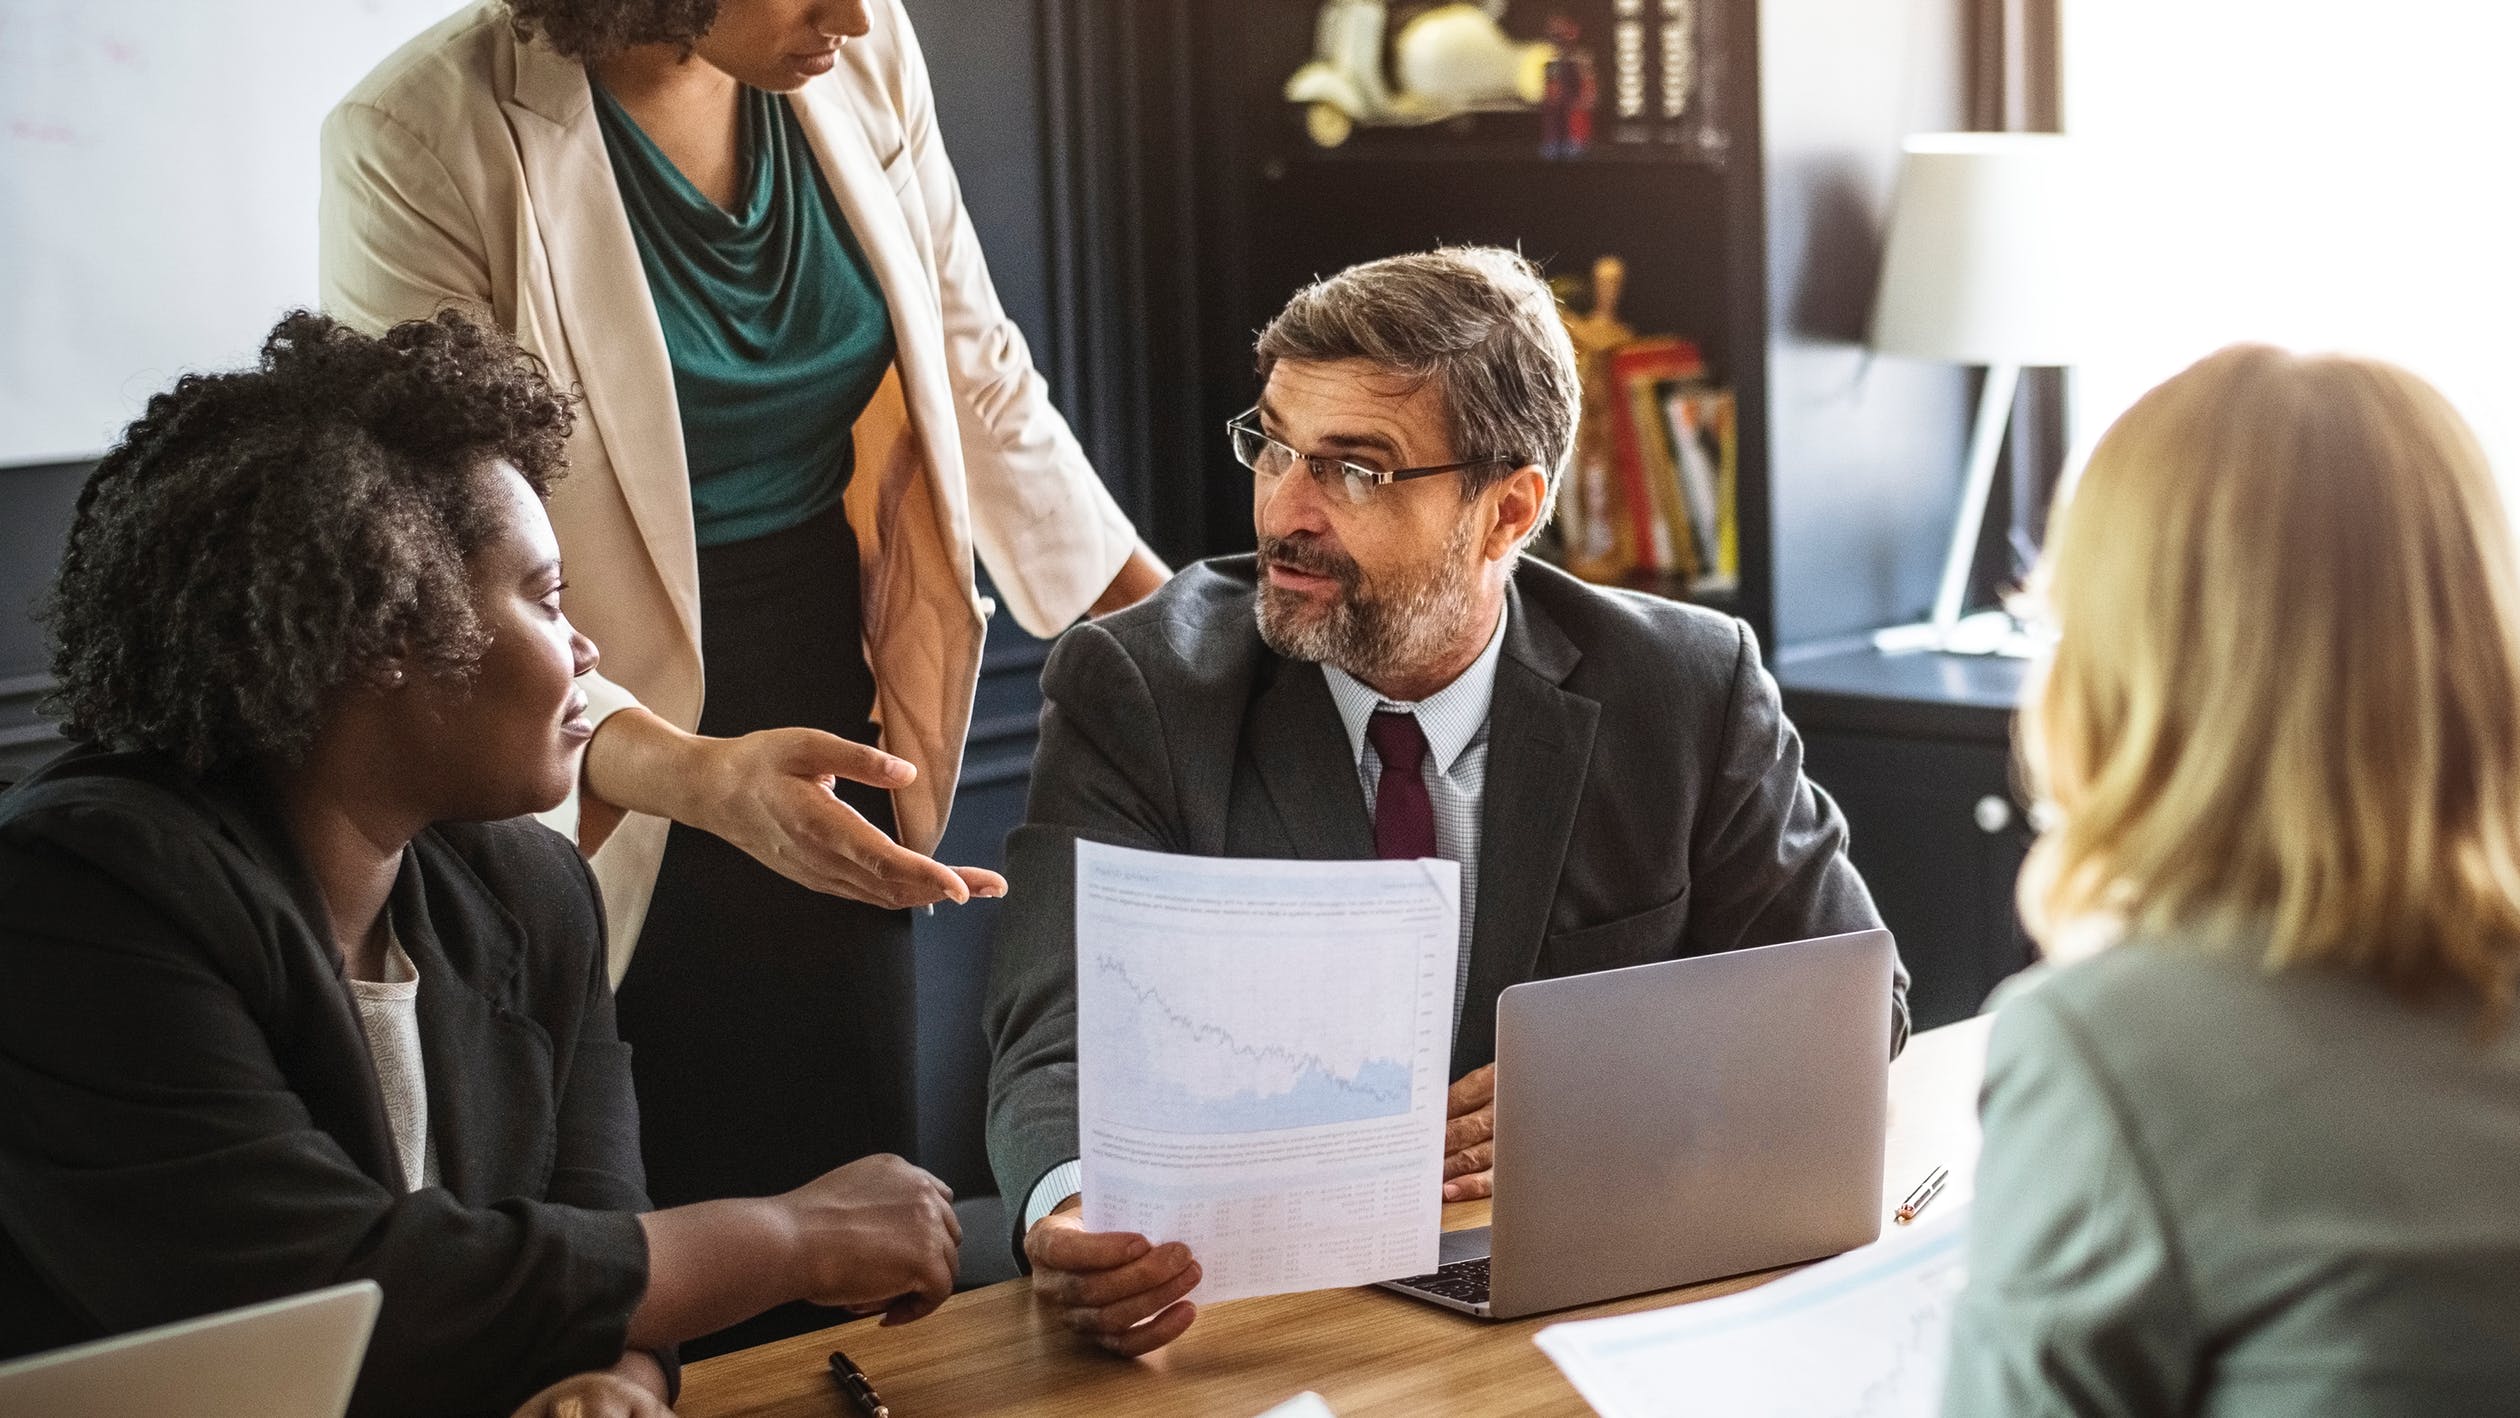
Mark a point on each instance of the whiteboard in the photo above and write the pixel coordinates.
(157, 192)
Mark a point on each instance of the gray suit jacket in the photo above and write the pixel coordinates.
(1645, 800)
(2210, 1191)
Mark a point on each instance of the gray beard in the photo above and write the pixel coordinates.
(1382, 637)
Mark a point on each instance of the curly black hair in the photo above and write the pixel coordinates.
(587, 30)
(262, 537)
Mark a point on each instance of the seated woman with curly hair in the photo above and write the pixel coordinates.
(293, 995)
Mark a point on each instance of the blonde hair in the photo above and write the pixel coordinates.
(2285, 701)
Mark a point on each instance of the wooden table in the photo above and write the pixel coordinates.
(1366, 1351)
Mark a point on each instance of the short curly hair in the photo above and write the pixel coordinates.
(587, 30)
(260, 538)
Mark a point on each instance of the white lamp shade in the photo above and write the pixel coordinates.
(1985, 261)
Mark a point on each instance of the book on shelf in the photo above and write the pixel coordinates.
(1656, 535)
(1699, 422)
(1652, 492)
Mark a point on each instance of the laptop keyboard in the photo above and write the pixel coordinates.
(1463, 1280)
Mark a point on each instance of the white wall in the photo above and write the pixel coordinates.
(2318, 174)
(157, 191)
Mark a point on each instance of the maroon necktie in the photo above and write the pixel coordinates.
(1404, 817)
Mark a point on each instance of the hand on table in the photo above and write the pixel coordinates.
(1470, 1136)
(1111, 1286)
(876, 1235)
(603, 1393)
(769, 793)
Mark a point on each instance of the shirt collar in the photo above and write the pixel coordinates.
(1451, 717)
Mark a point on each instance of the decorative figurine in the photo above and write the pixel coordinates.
(1451, 60)
(1588, 513)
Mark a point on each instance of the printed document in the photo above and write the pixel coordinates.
(1862, 1336)
(1262, 1049)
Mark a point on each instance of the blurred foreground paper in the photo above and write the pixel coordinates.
(1861, 1336)
(1262, 1050)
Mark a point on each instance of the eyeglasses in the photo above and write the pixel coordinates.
(1270, 460)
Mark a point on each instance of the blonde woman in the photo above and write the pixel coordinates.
(2257, 1148)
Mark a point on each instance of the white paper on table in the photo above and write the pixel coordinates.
(1862, 1336)
(1307, 1404)
(1262, 1049)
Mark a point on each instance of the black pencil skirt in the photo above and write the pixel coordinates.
(771, 1026)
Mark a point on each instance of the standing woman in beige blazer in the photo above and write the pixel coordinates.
(732, 225)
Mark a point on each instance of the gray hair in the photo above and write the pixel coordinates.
(1479, 321)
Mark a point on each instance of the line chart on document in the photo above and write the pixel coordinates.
(1255, 1045)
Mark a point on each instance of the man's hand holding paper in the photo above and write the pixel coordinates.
(1470, 1136)
(1113, 1287)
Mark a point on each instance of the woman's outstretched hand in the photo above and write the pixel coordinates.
(770, 794)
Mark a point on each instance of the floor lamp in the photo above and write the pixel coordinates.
(1981, 267)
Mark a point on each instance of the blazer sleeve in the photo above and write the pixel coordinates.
(1049, 531)
(1768, 852)
(2077, 1300)
(156, 1163)
(396, 240)
(1100, 773)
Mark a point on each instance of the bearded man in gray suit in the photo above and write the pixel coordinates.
(1389, 677)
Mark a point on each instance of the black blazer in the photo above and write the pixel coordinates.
(189, 1119)
(1645, 800)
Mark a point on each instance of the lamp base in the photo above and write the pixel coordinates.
(1985, 633)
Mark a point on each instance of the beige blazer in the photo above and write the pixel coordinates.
(469, 168)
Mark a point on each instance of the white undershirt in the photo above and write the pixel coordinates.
(389, 1009)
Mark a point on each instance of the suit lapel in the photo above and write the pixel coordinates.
(1540, 741)
(348, 1103)
(856, 175)
(615, 343)
(837, 134)
(1300, 748)
(488, 1070)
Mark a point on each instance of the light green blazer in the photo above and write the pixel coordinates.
(2205, 1190)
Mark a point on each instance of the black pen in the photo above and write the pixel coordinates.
(860, 1391)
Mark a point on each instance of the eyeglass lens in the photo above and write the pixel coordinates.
(1271, 459)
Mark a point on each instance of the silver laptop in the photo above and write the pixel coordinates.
(1671, 1123)
(293, 1358)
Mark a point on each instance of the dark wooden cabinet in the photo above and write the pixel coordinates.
(1917, 750)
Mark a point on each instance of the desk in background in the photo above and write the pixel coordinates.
(1917, 749)
(1366, 1351)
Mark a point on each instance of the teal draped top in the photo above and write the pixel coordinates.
(774, 323)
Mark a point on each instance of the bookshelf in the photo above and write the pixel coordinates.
(1190, 202)
(1187, 202)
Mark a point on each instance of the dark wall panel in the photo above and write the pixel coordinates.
(1865, 465)
(984, 59)
(35, 506)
